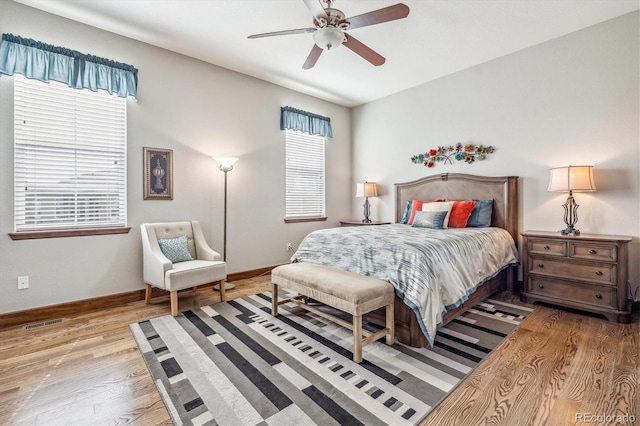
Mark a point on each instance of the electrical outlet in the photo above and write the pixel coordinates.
(23, 283)
(289, 248)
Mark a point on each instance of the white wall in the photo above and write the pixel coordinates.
(571, 101)
(197, 110)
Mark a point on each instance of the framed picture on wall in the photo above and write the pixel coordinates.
(158, 174)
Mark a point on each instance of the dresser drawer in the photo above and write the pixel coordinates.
(548, 247)
(572, 293)
(604, 273)
(593, 251)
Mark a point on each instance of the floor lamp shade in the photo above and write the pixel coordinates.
(569, 179)
(225, 164)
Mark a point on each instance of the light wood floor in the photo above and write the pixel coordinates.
(87, 370)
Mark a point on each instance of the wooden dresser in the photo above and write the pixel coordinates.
(586, 272)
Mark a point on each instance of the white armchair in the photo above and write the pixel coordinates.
(159, 271)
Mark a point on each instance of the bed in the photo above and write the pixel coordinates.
(437, 273)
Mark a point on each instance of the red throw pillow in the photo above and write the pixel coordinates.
(416, 205)
(460, 213)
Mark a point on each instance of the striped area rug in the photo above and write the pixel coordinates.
(232, 363)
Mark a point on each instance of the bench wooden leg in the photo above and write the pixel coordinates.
(174, 303)
(390, 323)
(274, 300)
(223, 295)
(357, 338)
(147, 294)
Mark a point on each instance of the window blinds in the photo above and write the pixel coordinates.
(69, 157)
(305, 175)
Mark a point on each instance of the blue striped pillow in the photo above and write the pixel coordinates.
(432, 219)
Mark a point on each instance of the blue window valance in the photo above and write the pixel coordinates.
(45, 62)
(302, 121)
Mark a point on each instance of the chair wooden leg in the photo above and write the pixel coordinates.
(390, 324)
(274, 300)
(174, 303)
(223, 295)
(357, 338)
(147, 294)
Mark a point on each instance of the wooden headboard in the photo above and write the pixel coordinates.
(458, 186)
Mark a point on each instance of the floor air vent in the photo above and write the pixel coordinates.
(42, 324)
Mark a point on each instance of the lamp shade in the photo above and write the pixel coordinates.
(571, 178)
(226, 163)
(366, 189)
(328, 37)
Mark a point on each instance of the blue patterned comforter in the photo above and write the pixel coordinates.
(432, 270)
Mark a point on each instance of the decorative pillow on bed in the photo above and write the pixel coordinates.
(175, 249)
(481, 214)
(460, 213)
(430, 219)
(416, 206)
(437, 207)
(406, 213)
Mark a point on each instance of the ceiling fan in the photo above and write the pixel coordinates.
(330, 25)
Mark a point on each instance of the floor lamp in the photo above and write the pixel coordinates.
(225, 164)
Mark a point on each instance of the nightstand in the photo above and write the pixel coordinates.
(361, 223)
(587, 272)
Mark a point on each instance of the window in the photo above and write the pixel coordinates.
(69, 157)
(305, 177)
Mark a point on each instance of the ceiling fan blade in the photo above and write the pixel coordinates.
(386, 14)
(286, 32)
(312, 58)
(317, 10)
(364, 51)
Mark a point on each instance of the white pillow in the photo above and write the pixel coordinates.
(439, 207)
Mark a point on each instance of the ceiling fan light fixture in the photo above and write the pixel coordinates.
(328, 37)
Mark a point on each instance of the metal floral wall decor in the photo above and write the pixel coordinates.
(448, 154)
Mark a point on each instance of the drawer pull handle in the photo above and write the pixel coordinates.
(540, 265)
(599, 273)
(592, 251)
(540, 286)
(546, 247)
(598, 296)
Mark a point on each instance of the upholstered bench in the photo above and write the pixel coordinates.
(349, 292)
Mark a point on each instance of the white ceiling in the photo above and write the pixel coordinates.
(439, 37)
